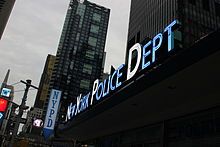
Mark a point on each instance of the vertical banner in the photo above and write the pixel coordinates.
(51, 113)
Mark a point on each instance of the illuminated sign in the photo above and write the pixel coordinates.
(38, 123)
(51, 113)
(146, 56)
(1, 115)
(3, 104)
(6, 92)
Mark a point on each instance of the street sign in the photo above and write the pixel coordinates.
(51, 115)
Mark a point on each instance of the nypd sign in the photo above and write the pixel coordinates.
(147, 55)
(51, 113)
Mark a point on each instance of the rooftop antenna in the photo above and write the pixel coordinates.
(4, 83)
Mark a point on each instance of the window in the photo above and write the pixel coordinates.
(81, 9)
(71, 66)
(87, 68)
(74, 49)
(84, 84)
(205, 4)
(77, 37)
(193, 2)
(138, 37)
(92, 41)
(90, 54)
(217, 9)
(97, 17)
(94, 29)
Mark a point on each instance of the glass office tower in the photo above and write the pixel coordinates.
(80, 56)
(197, 17)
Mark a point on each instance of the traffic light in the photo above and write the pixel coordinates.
(3, 107)
(3, 104)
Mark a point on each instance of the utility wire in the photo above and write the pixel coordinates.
(15, 83)
(23, 90)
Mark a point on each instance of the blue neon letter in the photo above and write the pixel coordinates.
(160, 37)
(145, 54)
(119, 75)
(170, 35)
(98, 96)
(112, 87)
(107, 90)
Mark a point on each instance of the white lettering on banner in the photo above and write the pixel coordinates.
(52, 109)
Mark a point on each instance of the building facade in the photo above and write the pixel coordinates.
(45, 82)
(173, 101)
(80, 54)
(5, 11)
(197, 17)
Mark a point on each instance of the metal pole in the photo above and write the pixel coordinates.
(21, 109)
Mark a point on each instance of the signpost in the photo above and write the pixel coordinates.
(22, 107)
(51, 115)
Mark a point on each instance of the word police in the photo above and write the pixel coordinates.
(146, 55)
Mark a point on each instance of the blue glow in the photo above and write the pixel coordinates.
(119, 75)
(145, 54)
(107, 91)
(155, 47)
(78, 104)
(170, 35)
(111, 86)
(84, 102)
(1, 115)
(71, 110)
(98, 96)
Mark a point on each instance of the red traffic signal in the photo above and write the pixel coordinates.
(3, 104)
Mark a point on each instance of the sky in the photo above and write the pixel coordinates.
(33, 32)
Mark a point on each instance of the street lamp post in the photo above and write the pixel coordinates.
(22, 107)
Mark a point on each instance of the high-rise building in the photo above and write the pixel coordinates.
(5, 11)
(80, 55)
(197, 18)
(44, 82)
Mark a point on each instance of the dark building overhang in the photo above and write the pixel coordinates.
(185, 83)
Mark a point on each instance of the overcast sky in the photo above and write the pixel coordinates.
(33, 32)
